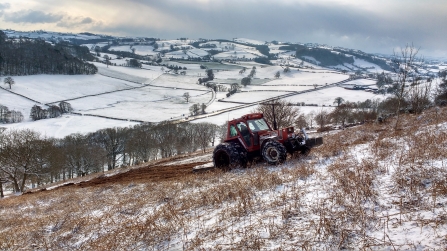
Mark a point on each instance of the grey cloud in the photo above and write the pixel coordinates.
(30, 16)
(73, 22)
(334, 24)
(3, 7)
(362, 26)
(87, 20)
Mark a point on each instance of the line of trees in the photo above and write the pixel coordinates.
(53, 111)
(35, 56)
(197, 109)
(210, 76)
(9, 116)
(286, 114)
(27, 159)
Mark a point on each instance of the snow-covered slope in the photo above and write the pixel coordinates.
(367, 187)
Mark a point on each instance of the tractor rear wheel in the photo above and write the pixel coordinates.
(227, 156)
(274, 152)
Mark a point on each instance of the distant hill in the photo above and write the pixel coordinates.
(334, 57)
(324, 56)
(367, 57)
(36, 56)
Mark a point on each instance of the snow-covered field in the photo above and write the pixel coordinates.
(151, 104)
(362, 82)
(150, 94)
(249, 41)
(327, 96)
(53, 88)
(142, 50)
(236, 55)
(69, 124)
(295, 77)
(250, 97)
(144, 75)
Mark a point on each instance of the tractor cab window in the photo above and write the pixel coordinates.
(258, 125)
(244, 132)
(233, 132)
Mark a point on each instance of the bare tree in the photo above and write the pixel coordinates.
(404, 66)
(301, 121)
(9, 81)
(81, 156)
(38, 113)
(165, 135)
(252, 72)
(194, 109)
(419, 95)
(18, 159)
(210, 74)
(113, 141)
(338, 101)
(322, 118)
(65, 107)
(4, 111)
(141, 144)
(279, 113)
(207, 134)
(383, 80)
(235, 87)
(107, 59)
(277, 74)
(441, 90)
(54, 111)
(310, 118)
(15, 116)
(246, 81)
(341, 113)
(186, 96)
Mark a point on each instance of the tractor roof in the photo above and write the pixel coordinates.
(247, 117)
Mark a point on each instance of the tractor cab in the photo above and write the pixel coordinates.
(247, 129)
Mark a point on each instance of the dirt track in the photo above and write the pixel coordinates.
(145, 174)
(149, 173)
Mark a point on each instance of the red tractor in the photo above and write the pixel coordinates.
(250, 137)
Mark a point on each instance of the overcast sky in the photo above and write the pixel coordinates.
(368, 25)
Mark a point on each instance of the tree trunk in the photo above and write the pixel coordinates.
(1, 190)
(22, 186)
(15, 185)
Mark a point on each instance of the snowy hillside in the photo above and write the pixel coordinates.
(368, 187)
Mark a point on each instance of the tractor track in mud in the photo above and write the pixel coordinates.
(156, 172)
(145, 174)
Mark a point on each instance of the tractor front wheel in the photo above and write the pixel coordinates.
(274, 152)
(227, 156)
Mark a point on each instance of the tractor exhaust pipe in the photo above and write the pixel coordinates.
(305, 134)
